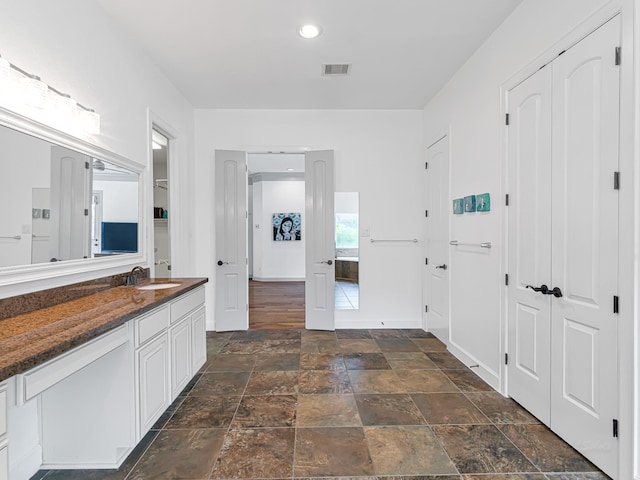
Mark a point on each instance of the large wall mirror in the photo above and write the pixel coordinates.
(63, 201)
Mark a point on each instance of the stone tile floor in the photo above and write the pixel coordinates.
(283, 404)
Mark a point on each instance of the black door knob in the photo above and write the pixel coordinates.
(443, 266)
(542, 288)
(220, 262)
(556, 292)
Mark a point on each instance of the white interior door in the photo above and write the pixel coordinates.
(69, 220)
(584, 378)
(436, 285)
(319, 241)
(563, 233)
(231, 303)
(530, 243)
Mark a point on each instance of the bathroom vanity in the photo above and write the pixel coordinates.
(81, 382)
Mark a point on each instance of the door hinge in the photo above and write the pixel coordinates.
(506, 119)
(426, 309)
(617, 55)
(506, 359)
(506, 199)
(426, 213)
(426, 165)
(616, 306)
(168, 267)
(616, 180)
(86, 165)
(615, 428)
(86, 212)
(426, 261)
(506, 279)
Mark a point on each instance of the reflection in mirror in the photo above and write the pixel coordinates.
(49, 212)
(114, 229)
(347, 251)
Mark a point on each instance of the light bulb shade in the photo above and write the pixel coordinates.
(90, 121)
(34, 91)
(66, 109)
(5, 71)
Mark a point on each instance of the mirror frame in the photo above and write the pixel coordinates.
(21, 274)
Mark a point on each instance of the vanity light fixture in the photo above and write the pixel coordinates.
(310, 31)
(90, 120)
(34, 91)
(61, 108)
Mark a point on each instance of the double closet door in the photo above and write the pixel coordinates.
(563, 245)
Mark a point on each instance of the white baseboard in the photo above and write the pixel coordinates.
(27, 466)
(485, 373)
(371, 324)
(278, 279)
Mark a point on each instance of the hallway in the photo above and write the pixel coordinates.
(352, 403)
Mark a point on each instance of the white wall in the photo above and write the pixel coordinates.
(469, 106)
(277, 260)
(75, 47)
(119, 200)
(377, 153)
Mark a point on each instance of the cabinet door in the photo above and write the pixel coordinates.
(4, 462)
(198, 340)
(153, 382)
(180, 356)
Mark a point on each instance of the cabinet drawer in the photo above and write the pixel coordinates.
(38, 379)
(186, 304)
(148, 326)
(3, 410)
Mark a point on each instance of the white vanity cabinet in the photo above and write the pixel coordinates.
(90, 406)
(187, 339)
(168, 354)
(4, 447)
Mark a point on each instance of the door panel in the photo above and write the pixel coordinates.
(585, 245)
(436, 294)
(231, 310)
(319, 240)
(529, 213)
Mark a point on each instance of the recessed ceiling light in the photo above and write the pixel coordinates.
(289, 169)
(309, 31)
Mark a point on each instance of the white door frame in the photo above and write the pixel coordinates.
(426, 284)
(629, 273)
(178, 251)
(248, 150)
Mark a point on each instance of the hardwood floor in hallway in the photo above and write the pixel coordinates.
(276, 305)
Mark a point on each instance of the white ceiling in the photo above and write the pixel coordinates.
(247, 53)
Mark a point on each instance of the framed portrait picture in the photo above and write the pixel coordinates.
(287, 226)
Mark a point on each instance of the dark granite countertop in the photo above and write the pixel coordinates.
(32, 338)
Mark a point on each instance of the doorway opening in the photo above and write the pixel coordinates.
(161, 205)
(276, 240)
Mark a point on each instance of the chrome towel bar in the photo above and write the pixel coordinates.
(481, 245)
(412, 240)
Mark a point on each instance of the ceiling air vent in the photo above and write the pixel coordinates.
(336, 69)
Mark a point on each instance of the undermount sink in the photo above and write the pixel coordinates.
(158, 286)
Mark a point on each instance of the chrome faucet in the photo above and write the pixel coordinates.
(131, 278)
